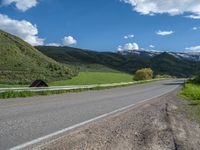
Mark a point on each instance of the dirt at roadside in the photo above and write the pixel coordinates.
(155, 125)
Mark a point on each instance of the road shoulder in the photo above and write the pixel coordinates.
(156, 124)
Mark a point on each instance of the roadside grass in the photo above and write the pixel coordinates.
(14, 94)
(88, 78)
(12, 85)
(191, 92)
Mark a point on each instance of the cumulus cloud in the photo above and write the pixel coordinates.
(195, 28)
(21, 28)
(53, 44)
(69, 40)
(164, 33)
(151, 46)
(128, 46)
(66, 41)
(22, 5)
(129, 36)
(193, 49)
(171, 7)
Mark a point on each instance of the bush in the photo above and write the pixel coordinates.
(197, 80)
(144, 74)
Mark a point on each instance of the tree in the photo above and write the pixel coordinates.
(197, 79)
(144, 74)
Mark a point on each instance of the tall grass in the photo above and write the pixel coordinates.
(191, 91)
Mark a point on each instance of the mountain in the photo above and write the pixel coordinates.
(162, 63)
(153, 53)
(22, 63)
(166, 63)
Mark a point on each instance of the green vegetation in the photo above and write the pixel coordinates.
(191, 91)
(87, 78)
(165, 76)
(144, 74)
(196, 80)
(12, 85)
(6, 95)
(84, 59)
(93, 68)
(20, 63)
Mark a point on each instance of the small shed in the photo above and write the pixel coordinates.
(39, 83)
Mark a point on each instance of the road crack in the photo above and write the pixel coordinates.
(168, 120)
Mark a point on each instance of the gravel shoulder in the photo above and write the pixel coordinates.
(158, 124)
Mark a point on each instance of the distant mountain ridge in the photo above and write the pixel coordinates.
(161, 63)
(153, 53)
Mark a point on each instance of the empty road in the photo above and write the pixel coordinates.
(27, 119)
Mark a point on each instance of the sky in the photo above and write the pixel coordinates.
(105, 25)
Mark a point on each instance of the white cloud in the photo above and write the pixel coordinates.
(129, 36)
(164, 33)
(119, 48)
(128, 46)
(193, 16)
(151, 46)
(66, 41)
(171, 7)
(23, 29)
(54, 44)
(193, 49)
(69, 40)
(195, 28)
(22, 5)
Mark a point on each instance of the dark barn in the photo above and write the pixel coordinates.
(39, 83)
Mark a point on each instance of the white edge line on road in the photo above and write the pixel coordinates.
(23, 146)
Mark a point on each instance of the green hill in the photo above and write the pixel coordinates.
(22, 63)
(168, 64)
(161, 64)
(84, 59)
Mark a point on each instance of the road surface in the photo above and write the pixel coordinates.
(27, 119)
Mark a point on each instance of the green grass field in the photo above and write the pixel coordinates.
(88, 78)
(12, 85)
(192, 93)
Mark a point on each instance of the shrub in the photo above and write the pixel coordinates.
(197, 80)
(144, 74)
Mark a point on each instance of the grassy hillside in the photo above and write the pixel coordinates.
(87, 78)
(21, 63)
(84, 59)
(161, 64)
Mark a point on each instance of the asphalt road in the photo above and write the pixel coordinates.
(26, 119)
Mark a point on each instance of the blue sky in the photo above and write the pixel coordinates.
(105, 25)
